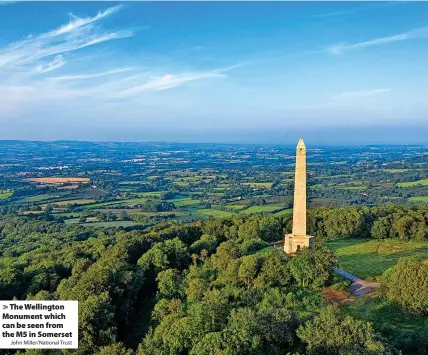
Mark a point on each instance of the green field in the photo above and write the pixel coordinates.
(284, 212)
(131, 201)
(110, 224)
(184, 202)
(261, 209)
(71, 202)
(148, 194)
(267, 185)
(395, 170)
(360, 187)
(102, 224)
(419, 199)
(214, 213)
(5, 195)
(368, 259)
(39, 198)
(413, 183)
(236, 207)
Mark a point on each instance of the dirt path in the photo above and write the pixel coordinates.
(359, 287)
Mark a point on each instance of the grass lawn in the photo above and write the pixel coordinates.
(261, 209)
(419, 199)
(388, 319)
(5, 195)
(368, 259)
(413, 183)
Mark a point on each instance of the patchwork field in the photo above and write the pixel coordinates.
(259, 184)
(419, 199)
(368, 259)
(70, 202)
(39, 198)
(360, 187)
(6, 194)
(423, 182)
(214, 213)
(261, 209)
(58, 180)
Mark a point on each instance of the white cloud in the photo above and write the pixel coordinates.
(77, 34)
(29, 85)
(58, 62)
(413, 34)
(80, 22)
(168, 81)
(89, 76)
(349, 97)
(357, 94)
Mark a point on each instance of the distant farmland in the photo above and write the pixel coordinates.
(6, 194)
(58, 180)
(413, 183)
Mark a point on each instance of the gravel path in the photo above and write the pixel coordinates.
(359, 287)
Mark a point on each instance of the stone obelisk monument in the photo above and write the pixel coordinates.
(298, 238)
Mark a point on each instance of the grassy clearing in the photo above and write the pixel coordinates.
(368, 259)
(5, 195)
(265, 251)
(423, 182)
(261, 209)
(419, 199)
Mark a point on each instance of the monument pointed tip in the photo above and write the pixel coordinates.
(301, 143)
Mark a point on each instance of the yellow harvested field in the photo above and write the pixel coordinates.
(59, 180)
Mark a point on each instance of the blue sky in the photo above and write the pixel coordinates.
(344, 72)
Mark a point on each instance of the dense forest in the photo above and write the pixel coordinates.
(212, 287)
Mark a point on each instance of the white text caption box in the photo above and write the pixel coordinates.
(38, 324)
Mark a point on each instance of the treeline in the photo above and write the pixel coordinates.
(211, 288)
(388, 221)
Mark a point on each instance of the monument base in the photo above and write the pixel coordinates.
(293, 243)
